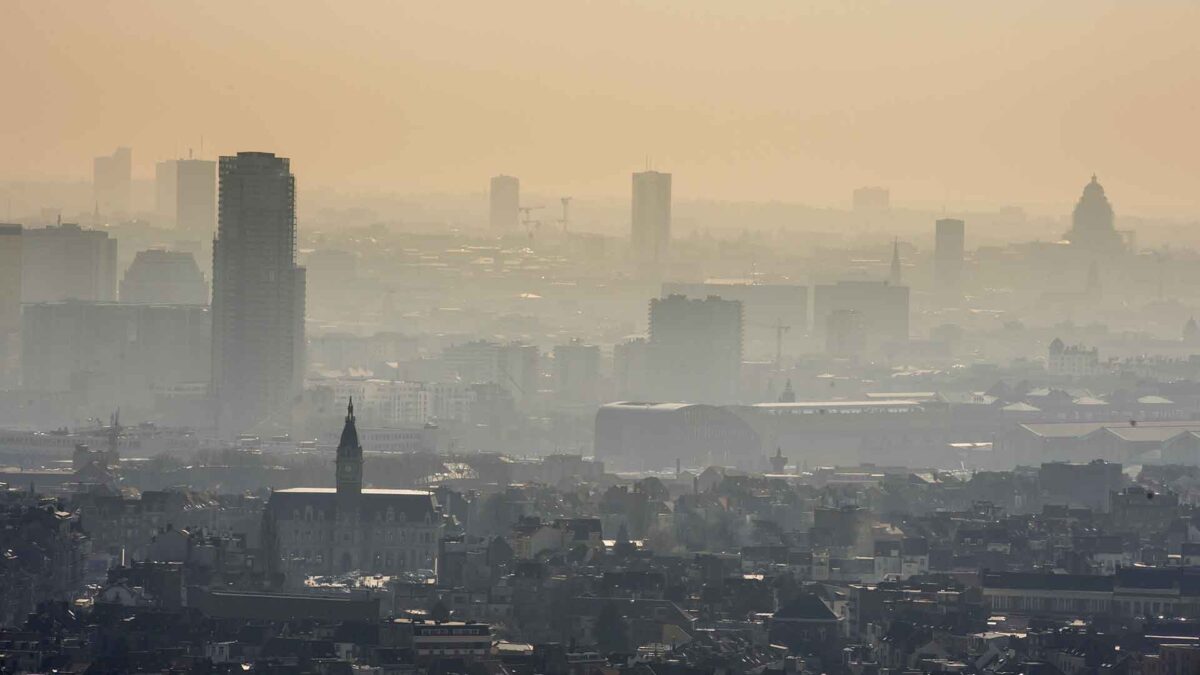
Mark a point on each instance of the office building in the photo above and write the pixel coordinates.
(186, 195)
(631, 369)
(695, 349)
(196, 196)
(67, 262)
(883, 309)
(576, 373)
(258, 295)
(872, 200)
(158, 277)
(166, 178)
(845, 334)
(949, 240)
(775, 316)
(651, 229)
(111, 177)
(110, 354)
(504, 199)
(10, 302)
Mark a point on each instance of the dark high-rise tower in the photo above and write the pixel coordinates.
(651, 229)
(258, 295)
(349, 458)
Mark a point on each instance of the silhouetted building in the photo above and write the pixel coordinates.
(504, 200)
(695, 349)
(948, 248)
(111, 182)
(577, 372)
(10, 302)
(651, 233)
(113, 353)
(258, 295)
(1092, 224)
(774, 316)
(872, 200)
(845, 334)
(631, 368)
(166, 179)
(67, 262)
(882, 306)
(310, 531)
(196, 196)
(158, 277)
(1075, 360)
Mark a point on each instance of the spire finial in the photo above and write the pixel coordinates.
(350, 410)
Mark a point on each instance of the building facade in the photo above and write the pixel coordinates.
(111, 178)
(318, 531)
(160, 277)
(67, 262)
(504, 203)
(948, 248)
(695, 349)
(258, 295)
(651, 233)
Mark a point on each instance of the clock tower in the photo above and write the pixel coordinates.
(349, 458)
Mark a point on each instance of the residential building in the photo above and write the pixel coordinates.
(258, 295)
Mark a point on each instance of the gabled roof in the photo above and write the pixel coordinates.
(807, 607)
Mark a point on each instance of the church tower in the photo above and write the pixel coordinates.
(894, 277)
(349, 458)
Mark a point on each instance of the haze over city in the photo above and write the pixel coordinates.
(584, 338)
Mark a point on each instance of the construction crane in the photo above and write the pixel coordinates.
(566, 203)
(526, 219)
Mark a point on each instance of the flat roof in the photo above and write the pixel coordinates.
(366, 491)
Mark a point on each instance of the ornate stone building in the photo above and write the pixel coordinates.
(1092, 224)
(313, 531)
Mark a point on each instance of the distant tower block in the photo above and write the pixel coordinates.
(949, 246)
(650, 235)
(504, 200)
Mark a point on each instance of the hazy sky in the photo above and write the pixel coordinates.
(956, 101)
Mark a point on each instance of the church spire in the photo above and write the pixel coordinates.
(894, 276)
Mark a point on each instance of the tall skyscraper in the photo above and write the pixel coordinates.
(10, 302)
(504, 198)
(1092, 223)
(651, 230)
(67, 262)
(949, 240)
(695, 349)
(258, 295)
(196, 196)
(111, 181)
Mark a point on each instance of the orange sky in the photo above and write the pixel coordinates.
(963, 103)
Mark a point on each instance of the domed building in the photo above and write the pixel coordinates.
(1092, 227)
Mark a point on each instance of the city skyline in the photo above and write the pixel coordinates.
(884, 116)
